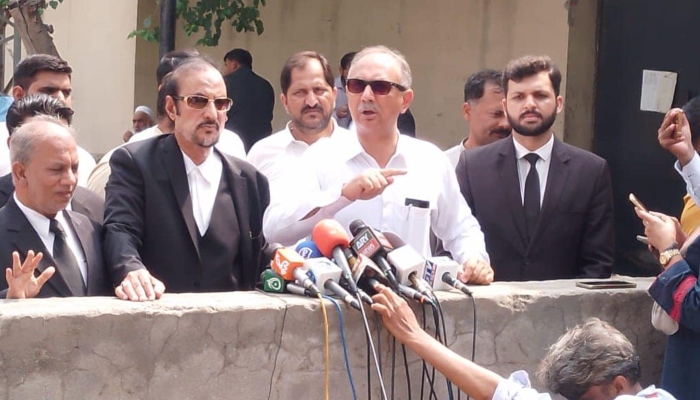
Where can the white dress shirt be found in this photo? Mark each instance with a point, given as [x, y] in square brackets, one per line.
[454, 152]
[691, 176]
[204, 180]
[545, 153]
[86, 163]
[5, 164]
[229, 142]
[328, 165]
[279, 153]
[41, 226]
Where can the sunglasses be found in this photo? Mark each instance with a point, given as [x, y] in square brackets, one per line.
[198, 102]
[378, 87]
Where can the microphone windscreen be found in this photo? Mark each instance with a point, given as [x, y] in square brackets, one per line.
[356, 226]
[329, 234]
[308, 249]
[394, 239]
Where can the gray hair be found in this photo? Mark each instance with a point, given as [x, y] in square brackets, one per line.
[24, 140]
[404, 68]
[590, 354]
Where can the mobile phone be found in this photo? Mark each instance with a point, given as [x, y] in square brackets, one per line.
[606, 284]
[679, 122]
[636, 202]
[643, 239]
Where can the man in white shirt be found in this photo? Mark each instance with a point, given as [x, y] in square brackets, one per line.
[308, 97]
[229, 142]
[43, 73]
[391, 181]
[62, 246]
[342, 113]
[592, 361]
[545, 207]
[483, 111]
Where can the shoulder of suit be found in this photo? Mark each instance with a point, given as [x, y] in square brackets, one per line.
[486, 152]
[84, 194]
[582, 155]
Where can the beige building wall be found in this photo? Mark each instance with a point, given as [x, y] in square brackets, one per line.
[444, 42]
[92, 36]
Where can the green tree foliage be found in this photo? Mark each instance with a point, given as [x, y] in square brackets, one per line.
[207, 16]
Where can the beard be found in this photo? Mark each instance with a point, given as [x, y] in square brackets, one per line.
[533, 130]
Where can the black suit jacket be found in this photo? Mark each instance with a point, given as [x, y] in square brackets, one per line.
[84, 201]
[253, 104]
[149, 221]
[17, 234]
[574, 234]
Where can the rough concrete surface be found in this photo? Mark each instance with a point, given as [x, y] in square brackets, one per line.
[259, 346]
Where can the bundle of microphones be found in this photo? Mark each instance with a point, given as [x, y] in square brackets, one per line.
[332, 263]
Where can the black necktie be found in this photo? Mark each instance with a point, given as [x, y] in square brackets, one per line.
[531, 201]
[65, 260]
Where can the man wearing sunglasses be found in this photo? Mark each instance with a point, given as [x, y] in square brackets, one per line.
[308, 96]
[392, 182]
[180, 214]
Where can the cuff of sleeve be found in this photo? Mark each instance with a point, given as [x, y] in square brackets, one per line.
[691, 169]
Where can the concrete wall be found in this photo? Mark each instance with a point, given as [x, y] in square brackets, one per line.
[91, 35]
[259, 346]
[444, 42]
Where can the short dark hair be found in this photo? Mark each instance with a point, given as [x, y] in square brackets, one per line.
[167, 64]
[171, 84]
[33, 105]
[347, 59]
[242, 56]
[299, 60]
[171, 60]
[31, 65]
[474, 88]
[692, 112]
[527, 66]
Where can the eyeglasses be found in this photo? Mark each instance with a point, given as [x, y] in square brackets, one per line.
[378, 87]
[198, 102]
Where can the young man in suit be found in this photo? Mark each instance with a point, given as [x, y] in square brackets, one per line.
[62, 246]
[179, 214]
[84, 201]
[545, 207]
[253, 98]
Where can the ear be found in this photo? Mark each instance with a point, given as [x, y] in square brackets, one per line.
[467, 111]
[283, 98]
[17, 92]
[406, 100]
[170, 107]
[560, 104]
[19, 177]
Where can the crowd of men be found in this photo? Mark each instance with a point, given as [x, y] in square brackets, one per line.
[200, 189]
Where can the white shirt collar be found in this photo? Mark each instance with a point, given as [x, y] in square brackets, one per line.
[37, 220]
[286, 134]
[209, 169]
[545, 152]
[353, 147]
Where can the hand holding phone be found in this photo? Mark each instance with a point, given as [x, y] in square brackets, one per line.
[637, 203]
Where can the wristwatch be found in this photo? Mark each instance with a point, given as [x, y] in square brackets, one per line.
[666, 255]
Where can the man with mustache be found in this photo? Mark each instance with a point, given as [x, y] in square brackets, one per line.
[483, 111]
[308, 96]
[180, 214]
[545, 207]
[389, 180]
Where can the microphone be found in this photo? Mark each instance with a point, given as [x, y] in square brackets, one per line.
[405, 259]
[325, 274]
[307, 249]
[404, 291]
[293, 288]
[331, 239]
[373, 245]
[272, 282]
[287, 263]
[441, 272]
